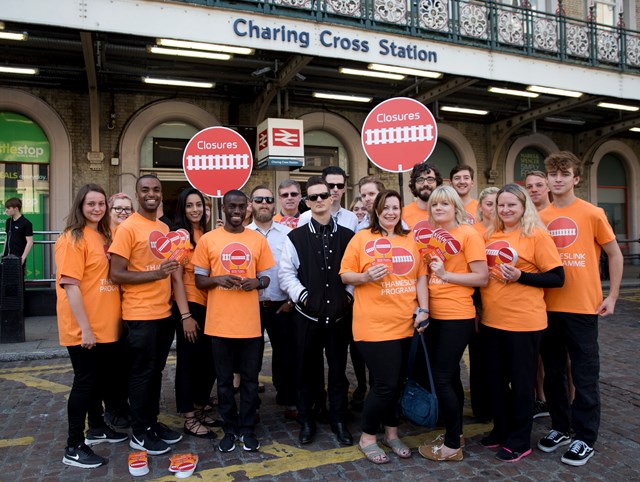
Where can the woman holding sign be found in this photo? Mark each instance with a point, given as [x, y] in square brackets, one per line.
[457, 264]
[389, 276]
[195, 372]
[523, 260]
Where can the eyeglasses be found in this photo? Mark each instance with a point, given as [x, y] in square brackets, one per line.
[287, 194]
[339, 185]
[322, 195]
[263, 199]
[119, 210]
[430, 180]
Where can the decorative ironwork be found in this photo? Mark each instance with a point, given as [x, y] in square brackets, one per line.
[473, 20]
[511, 28]
[434, 15]
[608, 48]
[545, 35]
[560, 10]
[621, 23]
[633, 50]
[295, 3]
[391, 11]
[349, 8]
[577, 40]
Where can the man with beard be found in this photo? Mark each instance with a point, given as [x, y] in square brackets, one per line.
[230, 264]
[424, 179]
[369, 187]
[462, 181]
[275, 307]
[289, 193]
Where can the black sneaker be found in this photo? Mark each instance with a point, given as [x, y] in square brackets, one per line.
[228, 443]
[116, 420]
[540, 409]
[578, 454]
[251, 443]
[83, 457]
[553, 440]
[105, 434]
[149, 442]
[165, 434]
[507, 455]
[490, 442]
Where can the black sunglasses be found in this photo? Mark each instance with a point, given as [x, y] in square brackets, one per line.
[322, 195]
[339, 185]
[262, 199]
[287, 194]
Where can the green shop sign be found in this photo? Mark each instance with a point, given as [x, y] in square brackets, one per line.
[22, 140]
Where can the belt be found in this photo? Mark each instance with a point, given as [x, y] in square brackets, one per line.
[269, 303]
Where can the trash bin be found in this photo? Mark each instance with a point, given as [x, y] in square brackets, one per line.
[12, 301]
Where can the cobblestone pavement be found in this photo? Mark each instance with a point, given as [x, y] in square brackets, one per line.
[33, 432]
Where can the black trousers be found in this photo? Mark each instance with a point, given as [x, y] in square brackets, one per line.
[148, 342]
[195, 370]
[577, 335]
[93, 382]
[512, 360]
[118, 402]
[243, 355]
[311, 339]
[387, 363]
[447, 340]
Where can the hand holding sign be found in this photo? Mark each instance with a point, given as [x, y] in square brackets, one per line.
[504, 269]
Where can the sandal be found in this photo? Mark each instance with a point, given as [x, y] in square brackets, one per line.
[398, 447]
[374, 454]
[192, 426]
[206, 420]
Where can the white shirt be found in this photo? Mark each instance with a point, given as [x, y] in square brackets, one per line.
[276, 236]
[343, 217]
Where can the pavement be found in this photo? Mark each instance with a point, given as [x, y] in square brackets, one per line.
[36, 376]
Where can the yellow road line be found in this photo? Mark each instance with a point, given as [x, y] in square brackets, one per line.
[15, 442]
[38, 383]
[40, 368]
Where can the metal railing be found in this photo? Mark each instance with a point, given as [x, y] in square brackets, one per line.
[483, 23]
[39, 267]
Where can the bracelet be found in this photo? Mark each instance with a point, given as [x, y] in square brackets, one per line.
[188, 313]
[186, 316]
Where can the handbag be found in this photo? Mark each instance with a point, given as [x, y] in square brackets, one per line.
[417, 404]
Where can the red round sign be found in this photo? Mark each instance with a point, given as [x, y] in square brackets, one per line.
[564, 231]
[217, 160]
[399, 133]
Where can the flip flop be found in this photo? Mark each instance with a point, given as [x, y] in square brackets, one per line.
[374, 454]
[398, 447]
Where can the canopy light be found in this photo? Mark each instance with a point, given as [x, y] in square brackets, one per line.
[370, 73]
[609, 105]
[348, 98]
[18, 70]
[552, 91]
[565, 120]
[463, 110]
[517, 93]
[635, 129]
[188, 53]
[184, 44]
[405, 71]
[13, 35]
[178, 83]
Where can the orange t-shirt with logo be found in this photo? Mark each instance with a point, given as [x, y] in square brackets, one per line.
[383, 310]
[145, 301]
[86, 261]
[515, 306]
[288, 221]
[578, 231]
[189, 278]
[472, 211]
[450, 301]
[412, 214]
[235, 313]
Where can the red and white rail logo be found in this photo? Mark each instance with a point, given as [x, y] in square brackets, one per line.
[216, 160]
[263, 140]
[493, 250]
[564, 231]
[399, 133]
[285, 137]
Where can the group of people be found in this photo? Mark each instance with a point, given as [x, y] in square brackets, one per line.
[329, 281]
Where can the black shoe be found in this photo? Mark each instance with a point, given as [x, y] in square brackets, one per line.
[307, 432]
[578, 454]
[165, 434]
[553, 440]
[228, 442]
[149, 442]
[250, 442]
[117, 420]
[82, 456]
[342, 433]
[491, 442]
[540, 409]
[105, 434]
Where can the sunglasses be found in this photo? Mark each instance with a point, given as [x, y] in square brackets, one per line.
[322, 195]
[119, 210]
[339, 185]
[263, 199]
[287, 194]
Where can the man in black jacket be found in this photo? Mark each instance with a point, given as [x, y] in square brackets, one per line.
[309, 268]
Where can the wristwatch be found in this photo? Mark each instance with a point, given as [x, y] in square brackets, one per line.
[420, 310]
[260, 284]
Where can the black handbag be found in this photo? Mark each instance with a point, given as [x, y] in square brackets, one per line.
[417, 404]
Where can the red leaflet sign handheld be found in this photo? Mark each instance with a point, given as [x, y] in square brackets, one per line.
[399, 133]
[217, 160]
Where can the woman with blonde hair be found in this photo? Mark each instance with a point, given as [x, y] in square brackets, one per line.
[457, 265]
[486, 209]
[120, 208]
[523, 260]
[357, 207]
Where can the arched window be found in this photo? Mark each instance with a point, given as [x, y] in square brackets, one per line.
[529, 159]
[444, 157]
[612, 193]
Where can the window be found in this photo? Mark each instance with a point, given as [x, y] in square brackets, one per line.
[612, 193]
[605, 11]
[444, 157]
[529, 159]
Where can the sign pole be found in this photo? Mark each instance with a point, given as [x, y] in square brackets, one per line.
[401, 185]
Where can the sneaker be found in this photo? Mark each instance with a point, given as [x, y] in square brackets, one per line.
[228, 443]
[553, 440]
[183, 465]
[165, 434]
[578, 454]
[96, 436]
[138, 463]
[540, 409]
[149, 442]
[439, 440]
[83, 457]
[251, 443]
[507, 455]
[491, 442]
[116, 420]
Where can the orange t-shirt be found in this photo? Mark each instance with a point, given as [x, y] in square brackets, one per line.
[515, 306]
[480, 228]
[86, 261]
[146, 301]
[578, 231]
[450, 301]
[472, 211]
[412, 214]
[288, 221]
[383, 309]
[189, 278]
[235, 313]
